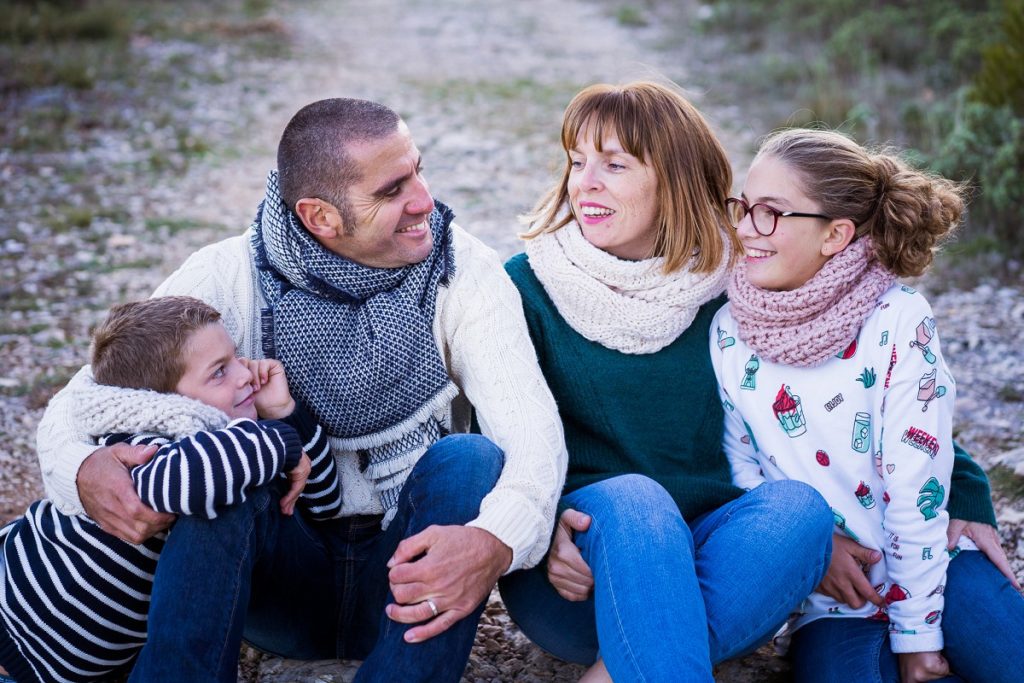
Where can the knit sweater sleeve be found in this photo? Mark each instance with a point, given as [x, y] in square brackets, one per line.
[321, 497]
[62, 445]
[205, 472]
[970, 497]
[493, 362]
[738, 442]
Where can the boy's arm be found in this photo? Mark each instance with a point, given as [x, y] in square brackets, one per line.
[199, 474]
[321, 497]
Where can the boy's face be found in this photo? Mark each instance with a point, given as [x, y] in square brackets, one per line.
[214, 375]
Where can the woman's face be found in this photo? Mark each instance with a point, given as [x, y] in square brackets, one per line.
[613, 197]
[793, 254]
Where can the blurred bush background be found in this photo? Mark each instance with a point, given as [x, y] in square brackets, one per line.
[944, 78]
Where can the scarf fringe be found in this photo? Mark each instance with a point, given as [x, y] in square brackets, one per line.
[434, 407]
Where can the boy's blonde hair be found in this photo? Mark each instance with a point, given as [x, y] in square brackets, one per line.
[144, 344]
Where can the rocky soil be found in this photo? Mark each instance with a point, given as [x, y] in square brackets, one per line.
[109, 206]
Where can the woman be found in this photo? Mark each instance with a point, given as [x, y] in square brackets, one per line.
[659, 565]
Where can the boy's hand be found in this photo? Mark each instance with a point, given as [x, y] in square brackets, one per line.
[297, 476]
[273, 400]
[922, 666]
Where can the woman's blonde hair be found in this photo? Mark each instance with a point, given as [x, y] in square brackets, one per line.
[906, 211]
[662, 129]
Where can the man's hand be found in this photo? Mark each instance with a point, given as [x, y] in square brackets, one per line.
[567, 570]
[455, 567]
[273, 400]
[922, 666]
[297, 477]
[846, 580]
[987, 540]
[108, 493]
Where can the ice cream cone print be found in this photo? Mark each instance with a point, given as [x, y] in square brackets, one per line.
[789, 412]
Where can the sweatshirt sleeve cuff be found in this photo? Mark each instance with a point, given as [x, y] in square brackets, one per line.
[930, 641]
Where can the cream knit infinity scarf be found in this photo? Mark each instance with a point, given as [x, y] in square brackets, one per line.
[807, 326]
[102, 409]
[628, 306]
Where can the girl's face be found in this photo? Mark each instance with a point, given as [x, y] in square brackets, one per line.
[613, 197]
[797, 249]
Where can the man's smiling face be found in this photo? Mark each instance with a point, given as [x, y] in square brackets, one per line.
[389, 205]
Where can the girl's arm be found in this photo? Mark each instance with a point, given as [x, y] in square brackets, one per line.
[737, 439]
[916, 464]
[202, 473]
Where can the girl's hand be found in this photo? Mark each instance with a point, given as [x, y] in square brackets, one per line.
[273, 400]
[567, 570]
[846, 580]
[987, 540]
[922, 666]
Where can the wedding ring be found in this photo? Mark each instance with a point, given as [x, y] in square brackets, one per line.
[433, 606]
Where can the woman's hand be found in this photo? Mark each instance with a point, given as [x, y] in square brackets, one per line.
[922, 666]
[846, 580]
[567, 571]
[987, 540]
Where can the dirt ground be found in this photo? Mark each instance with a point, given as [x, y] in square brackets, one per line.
[482, 85]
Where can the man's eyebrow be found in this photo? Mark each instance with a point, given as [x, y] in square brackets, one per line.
[390, 185]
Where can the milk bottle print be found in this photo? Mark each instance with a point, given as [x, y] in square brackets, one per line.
[925, 332]
[928, 389]
[861, 440]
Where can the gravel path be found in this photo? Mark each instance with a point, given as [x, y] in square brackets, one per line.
[482, 85]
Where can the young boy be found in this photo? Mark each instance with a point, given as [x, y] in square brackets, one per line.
[73, 598]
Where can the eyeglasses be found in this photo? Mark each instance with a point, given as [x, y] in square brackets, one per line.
[761, 215]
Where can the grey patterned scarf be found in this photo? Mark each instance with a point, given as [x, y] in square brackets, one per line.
[357, 342]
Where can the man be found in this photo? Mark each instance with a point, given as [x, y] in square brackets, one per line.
[391, 322]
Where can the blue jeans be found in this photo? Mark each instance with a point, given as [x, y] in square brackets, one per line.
[982, 624]
[670, 598]
[310, 590]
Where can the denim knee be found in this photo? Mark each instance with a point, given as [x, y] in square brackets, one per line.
[460, 470]
[630, 503]
[796, 510]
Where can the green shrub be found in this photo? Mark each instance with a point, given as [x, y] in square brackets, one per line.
[1001, 78]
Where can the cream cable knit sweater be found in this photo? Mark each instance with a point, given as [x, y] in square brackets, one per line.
[482, 336]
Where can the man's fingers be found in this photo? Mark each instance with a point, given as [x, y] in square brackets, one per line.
[131, 456]
[436, 626]
[412, 547]
[409, 594]
[410, 614]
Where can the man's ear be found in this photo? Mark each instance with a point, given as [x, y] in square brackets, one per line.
[320, 217]
[841, 232]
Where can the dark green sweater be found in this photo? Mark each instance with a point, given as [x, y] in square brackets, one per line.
[659, 414]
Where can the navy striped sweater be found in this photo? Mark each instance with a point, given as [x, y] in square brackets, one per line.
[75, 598]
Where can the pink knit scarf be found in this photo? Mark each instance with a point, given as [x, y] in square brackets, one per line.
[807, 326]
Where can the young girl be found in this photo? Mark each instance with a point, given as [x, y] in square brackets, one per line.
[831, 373]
